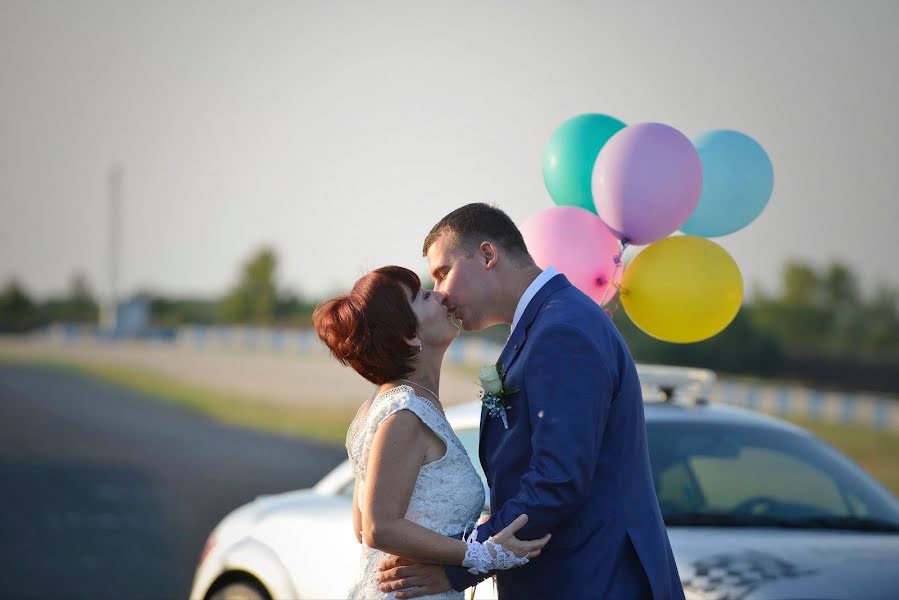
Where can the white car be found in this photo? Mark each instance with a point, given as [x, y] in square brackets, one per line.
[756, 508]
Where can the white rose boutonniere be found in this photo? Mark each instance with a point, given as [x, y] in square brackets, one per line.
[493, 391]
[490, 380]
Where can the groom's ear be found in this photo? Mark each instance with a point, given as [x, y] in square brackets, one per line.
[488, 254]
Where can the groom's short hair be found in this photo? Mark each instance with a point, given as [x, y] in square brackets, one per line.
[478, 222]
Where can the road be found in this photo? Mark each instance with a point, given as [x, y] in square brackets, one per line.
[108, 493]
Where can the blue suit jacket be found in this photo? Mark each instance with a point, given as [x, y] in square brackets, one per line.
[575, 459]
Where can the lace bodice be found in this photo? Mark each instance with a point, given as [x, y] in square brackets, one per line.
[448, 494]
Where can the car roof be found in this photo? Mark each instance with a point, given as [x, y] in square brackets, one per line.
[714, 413]
[468, 415]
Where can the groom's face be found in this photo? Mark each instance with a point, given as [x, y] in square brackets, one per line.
[462, 280]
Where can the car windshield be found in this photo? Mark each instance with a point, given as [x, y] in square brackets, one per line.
[713, 474]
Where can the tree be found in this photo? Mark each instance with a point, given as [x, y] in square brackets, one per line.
[172, 312]
[82, 306]
[882, 321]
[17, 311]
[293, 308]
[78, 305]
[840, 288]
[825, 313]
[740, 348]
[254, 298]
[801, 285]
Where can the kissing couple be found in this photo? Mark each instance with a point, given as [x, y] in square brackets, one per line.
[574, 510]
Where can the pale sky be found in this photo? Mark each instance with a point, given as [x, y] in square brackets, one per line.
[339, 132]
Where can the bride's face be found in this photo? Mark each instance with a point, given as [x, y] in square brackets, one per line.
[435, 324]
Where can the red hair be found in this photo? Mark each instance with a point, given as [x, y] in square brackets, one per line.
[368, 328]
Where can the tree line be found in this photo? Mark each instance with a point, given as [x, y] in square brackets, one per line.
[816, 327]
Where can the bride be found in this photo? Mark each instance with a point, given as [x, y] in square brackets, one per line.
[415, 485]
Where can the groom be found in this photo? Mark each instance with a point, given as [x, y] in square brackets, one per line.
[574, 457]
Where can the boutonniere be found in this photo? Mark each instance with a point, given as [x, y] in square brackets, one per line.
[493, 392]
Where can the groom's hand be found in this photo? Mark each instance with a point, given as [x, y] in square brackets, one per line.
[412, 580]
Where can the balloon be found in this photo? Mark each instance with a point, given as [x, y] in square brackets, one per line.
[577, 243]
[737, 179]
[569, 156]
[682, 289]
[646, 182]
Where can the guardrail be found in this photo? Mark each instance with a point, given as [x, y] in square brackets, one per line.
[873, 410]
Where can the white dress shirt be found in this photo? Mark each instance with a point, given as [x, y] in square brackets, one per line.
[529, 294]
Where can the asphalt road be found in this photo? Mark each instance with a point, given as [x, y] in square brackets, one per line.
[108, 493]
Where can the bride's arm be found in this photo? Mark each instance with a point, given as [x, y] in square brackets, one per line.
[357, 516]
[397, 453]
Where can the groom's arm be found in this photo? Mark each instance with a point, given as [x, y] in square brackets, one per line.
[569, 389]
[461, 579]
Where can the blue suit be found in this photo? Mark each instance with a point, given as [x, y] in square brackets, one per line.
[575, 459]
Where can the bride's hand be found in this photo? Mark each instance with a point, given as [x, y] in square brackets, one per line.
[520, 548]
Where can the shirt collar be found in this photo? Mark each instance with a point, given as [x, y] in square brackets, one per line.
[529, 294]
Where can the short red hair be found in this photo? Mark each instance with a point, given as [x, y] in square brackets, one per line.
[368, 328]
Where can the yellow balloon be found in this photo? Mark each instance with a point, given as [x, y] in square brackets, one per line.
[682, 289]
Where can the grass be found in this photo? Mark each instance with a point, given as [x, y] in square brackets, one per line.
[319, 423]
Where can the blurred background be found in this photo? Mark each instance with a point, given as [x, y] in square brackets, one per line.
[181, 184]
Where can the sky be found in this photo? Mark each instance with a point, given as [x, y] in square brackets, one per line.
[340, 132]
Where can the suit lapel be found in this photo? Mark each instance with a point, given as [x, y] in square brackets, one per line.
[516, 342]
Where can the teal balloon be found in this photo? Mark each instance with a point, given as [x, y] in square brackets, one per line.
[737, 180]
[570, 155]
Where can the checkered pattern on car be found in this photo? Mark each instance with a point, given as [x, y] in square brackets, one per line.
[732, 576]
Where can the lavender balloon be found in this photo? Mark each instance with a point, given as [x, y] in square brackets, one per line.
[577, 243]
[646, 182]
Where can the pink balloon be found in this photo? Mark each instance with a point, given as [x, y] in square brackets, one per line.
[577, 243]
[646, 182]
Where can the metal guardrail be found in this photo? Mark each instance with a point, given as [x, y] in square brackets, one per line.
[873, 410]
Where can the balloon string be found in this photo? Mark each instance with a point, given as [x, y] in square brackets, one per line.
[618, 261]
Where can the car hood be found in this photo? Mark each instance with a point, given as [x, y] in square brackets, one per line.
[759, 564]
[306, 502]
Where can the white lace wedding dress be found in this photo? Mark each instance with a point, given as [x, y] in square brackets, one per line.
[448, 494]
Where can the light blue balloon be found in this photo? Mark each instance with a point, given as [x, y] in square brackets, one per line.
[569, 157]
[737, 179]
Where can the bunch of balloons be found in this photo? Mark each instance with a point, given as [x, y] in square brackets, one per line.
[616, 185]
